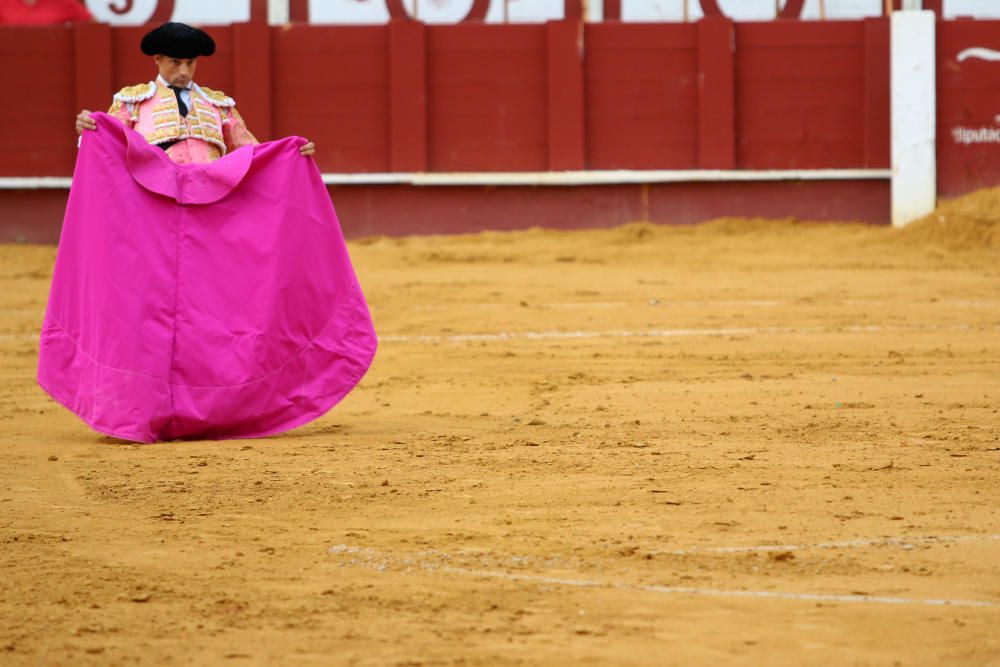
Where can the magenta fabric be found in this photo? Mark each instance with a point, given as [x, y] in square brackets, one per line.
[200, 301]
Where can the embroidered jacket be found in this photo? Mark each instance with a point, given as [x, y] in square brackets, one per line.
[211, 129]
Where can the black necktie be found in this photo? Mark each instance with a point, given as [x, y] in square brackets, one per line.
[180, 103]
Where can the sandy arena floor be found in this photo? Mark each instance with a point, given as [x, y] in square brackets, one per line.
[745, 442]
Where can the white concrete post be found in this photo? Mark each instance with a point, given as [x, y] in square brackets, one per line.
[914, 116]
[277, 12]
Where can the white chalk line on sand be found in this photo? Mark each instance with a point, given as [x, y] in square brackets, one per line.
[903, 542]
[667, 333]
[684, 590]
[39, 311]
[380, 560]
[733, 303]
[630, 333]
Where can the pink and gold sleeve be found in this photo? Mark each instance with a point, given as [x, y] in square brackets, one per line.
[121, 111]
[235, 131]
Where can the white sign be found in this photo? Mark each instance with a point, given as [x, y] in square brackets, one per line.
[434, 11]
[138, 12]
[967, 136]
[980, 9]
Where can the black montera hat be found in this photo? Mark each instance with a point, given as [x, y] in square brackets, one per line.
[177, 40]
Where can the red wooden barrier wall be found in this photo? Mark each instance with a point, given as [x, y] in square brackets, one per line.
[333, 87]
[37, 134]
[476, 97]
[802, 95]
[642, 96]
[562, 95]
[486, 98]
[968, 99]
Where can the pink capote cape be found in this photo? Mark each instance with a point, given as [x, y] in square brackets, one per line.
[200, 301]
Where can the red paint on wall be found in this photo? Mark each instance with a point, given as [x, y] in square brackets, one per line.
[395, 210]
[641, 92]
[298, 11]
[92, 65]
[800, 95]
[792, 95]
[258, 11]
[564, 55]
[937, 6]
[877, 94]
[31, 216]
[37, 137]
[716, 94]
[332, 86]
[407, 96]
[253, 42]
[486, 90]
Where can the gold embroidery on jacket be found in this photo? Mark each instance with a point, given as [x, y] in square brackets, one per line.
[202, 122]
[134, 94]
[216, 97]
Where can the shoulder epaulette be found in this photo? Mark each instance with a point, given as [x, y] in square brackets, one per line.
[217, 97]
[138, 93]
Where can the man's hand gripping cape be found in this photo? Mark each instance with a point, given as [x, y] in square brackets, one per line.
[200, 301]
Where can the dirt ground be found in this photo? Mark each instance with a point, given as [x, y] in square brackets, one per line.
[746, 442]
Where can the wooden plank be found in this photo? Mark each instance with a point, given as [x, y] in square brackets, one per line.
[298, 11]
[331, 84]
[937, 6]
[764, 96]
[39, 139]
[407, 96]
[826, 64]
[808, 34]
[646, 66]
[641, 35]
[129, 65]
[480, 97]
[215, 71]
[565, 95]
[512, 67]
[472, 37]
[92, 66]
[252, 76]
[487, 98]
[801, 104]
[305, 39]
[641, 96]
[716, 99]
[877, 153]
[258, 11]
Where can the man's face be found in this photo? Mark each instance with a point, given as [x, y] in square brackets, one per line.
[176, 71]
